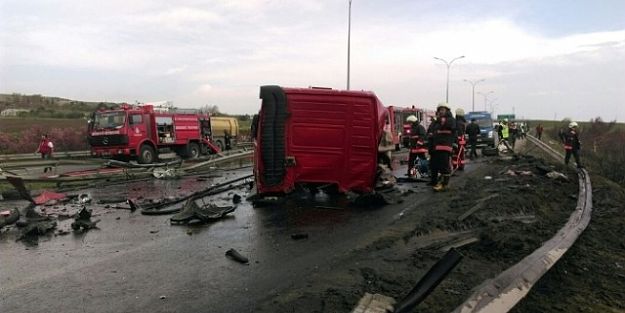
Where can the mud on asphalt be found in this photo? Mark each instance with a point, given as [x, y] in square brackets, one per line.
[515, 208]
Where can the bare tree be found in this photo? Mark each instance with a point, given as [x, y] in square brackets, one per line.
[211, 109]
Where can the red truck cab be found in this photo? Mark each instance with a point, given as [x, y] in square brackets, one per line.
[317, 137]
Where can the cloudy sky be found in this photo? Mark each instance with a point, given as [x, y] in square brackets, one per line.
[540, 58]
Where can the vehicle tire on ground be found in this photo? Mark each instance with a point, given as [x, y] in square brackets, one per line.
[221, 145]
[193, 150]
[146, 155]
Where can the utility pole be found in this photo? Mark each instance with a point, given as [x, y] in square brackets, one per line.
[473, 83]
[448, 66]
[485, 95]
[349, 33]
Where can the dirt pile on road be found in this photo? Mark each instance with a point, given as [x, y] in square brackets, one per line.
[494, 215]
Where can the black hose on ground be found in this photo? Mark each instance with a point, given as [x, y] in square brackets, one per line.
[429, 281]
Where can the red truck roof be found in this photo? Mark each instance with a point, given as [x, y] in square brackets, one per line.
[308, 135]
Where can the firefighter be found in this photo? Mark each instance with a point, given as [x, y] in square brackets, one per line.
[444, 136]
[416, 142]
[473, 130]
[572, 144]
[459, 152]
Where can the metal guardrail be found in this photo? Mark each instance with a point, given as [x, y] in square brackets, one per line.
[37, 156]
[503, 292]
[72, 154]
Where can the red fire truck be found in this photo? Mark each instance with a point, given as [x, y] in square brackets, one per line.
[399, 128]
[317, 137]
[142, 132]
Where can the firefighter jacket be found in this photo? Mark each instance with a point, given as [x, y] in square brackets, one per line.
[461, 125]
[418, 138]
[571, 140]
[444, 133]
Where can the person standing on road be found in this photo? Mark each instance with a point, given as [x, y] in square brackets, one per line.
[504, 134]
[513, 133]
[473, 130]
[416, 142]
[572, 144]
[444, 136]
[45, 149]
[539, 131]
[385, 147]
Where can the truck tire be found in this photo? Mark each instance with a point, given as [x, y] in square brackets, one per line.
[193, 150]
[146, 155]
[221, 145]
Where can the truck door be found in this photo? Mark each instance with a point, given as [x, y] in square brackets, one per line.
[136, 128]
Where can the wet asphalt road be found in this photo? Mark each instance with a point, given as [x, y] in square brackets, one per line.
[137, 263]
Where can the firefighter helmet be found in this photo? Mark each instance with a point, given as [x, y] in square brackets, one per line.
[459, 112]
[443, 105]
[572, 124]
[411, 119]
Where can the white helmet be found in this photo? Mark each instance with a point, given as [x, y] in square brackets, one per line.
[443, 105]
[572, 124]
[459, 112]
[411, 119]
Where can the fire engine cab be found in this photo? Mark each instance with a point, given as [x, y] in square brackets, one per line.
[399, 128]
[142, 131]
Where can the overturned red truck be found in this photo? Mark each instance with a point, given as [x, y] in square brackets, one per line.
[317, 137]
[141, 132]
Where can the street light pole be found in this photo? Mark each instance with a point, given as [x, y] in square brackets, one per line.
[448, 66]
[349, 33]
[473, 83]
[485, 95]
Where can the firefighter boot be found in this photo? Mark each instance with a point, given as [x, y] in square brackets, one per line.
[442, 186]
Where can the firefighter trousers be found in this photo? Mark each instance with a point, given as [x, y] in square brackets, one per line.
[440, 163]
[473, 144]
[575, 153]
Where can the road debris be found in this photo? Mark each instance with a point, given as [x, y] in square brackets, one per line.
[83, 221]
[165, 173]
[476, 207]
[8, 217]
[374, 303]
[18, 184]
[299, 236]
[557, 176]
[236, 256]
[111, 200]
[236, 199]
[84, 198]
[192, 212]
[50, 198]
